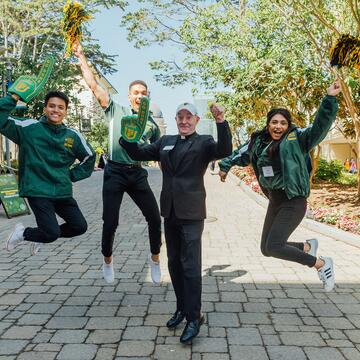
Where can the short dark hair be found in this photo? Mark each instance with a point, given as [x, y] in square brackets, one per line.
[57, 94]
[138, 82]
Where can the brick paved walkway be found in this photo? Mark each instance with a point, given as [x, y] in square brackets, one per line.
[56, 305]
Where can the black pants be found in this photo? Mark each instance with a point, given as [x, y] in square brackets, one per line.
[48, 229]
[183, 242]
[133, 180]
[282, 218]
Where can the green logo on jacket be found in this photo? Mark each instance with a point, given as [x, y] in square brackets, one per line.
[69, 142]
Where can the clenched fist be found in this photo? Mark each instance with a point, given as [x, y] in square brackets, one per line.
[218, 112]
[335, 88]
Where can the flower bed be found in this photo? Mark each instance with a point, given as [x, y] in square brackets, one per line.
[327, 215]
[247, 176]
[335, 217]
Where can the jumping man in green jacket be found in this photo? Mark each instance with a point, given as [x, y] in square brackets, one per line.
[278, 154]
[47, 152]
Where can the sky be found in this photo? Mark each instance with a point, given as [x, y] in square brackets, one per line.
[132, 64]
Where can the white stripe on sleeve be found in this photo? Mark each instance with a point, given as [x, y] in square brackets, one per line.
[23, 123]
[83, 141]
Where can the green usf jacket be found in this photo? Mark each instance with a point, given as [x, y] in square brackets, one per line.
[46, 154]
[293, 150]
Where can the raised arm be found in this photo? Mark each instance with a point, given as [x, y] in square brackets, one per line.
[101, 95]
[223, 147]
[26, 88]
[325, 116]
[9, 126]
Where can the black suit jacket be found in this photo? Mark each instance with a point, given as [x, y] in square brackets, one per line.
[183, 186]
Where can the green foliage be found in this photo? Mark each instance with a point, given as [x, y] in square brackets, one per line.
[254, 54]
[29, 30]
[14, 164]
[346, 178]
[98, 137]
[329, 170]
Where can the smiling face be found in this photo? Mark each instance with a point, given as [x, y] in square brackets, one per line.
[55, 110]
[136, 92]
[186, 122]
[277, 126]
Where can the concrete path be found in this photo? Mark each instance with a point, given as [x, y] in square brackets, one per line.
[55, 305]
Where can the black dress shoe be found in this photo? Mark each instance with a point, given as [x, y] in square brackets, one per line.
[191, 330]
[176, 319]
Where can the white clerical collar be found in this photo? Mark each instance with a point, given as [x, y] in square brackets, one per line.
[182, 137]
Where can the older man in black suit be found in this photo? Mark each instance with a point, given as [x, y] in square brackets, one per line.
[184, 159]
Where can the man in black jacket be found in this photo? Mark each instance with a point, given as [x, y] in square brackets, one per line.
[184, 159]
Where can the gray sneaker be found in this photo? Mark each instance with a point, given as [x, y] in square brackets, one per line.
[313, 243]
[34, 248]
[16, 237]
[326, 274]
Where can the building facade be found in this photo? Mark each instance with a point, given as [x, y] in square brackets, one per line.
[336, 147]
[207, 125]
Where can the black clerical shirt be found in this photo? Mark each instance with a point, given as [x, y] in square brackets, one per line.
[177, 153]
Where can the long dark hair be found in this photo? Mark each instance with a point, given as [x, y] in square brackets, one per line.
[273, 149]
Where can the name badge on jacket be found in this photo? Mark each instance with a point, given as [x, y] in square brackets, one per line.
[168, 147]
[268, 171]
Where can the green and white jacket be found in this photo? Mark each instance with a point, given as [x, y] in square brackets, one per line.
[47, 153]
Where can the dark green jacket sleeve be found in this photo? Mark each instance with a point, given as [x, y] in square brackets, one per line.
[240, 157]
[8, 126]
[314, 134]
[86, 155]
[142, 152]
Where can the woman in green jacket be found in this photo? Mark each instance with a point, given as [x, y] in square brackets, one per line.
[279, 154]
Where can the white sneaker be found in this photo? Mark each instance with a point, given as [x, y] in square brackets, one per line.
[313, 243]
[108, 272]
[326, 273]
[155, 270]
[34, 248]
[15, 237]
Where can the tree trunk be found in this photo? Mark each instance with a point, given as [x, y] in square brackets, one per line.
[34, 48]
[357, 131]
[315, 162]
[356, 120]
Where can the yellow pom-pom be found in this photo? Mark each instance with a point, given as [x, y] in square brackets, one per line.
[74, 15]
[346, 52]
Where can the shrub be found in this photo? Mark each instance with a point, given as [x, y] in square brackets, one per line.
[329, 170]
[14, 164]
[347, 179]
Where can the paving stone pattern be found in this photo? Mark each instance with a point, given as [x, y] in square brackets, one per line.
[55, 305]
